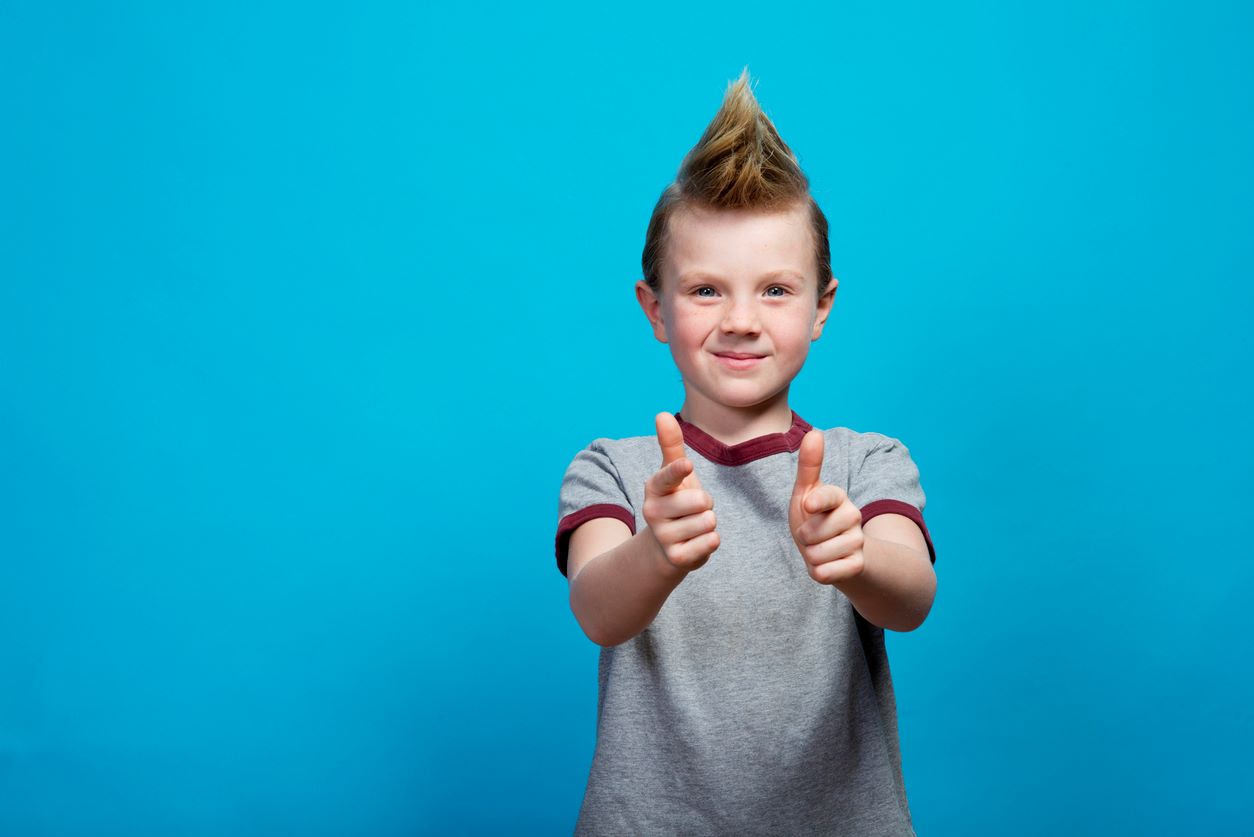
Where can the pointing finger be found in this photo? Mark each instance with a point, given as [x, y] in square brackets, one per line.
[670, 476]
[824, 498]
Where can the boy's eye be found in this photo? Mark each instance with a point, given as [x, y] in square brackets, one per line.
[781, 288]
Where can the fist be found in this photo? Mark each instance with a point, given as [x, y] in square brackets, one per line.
[825, 524]
[679, 511]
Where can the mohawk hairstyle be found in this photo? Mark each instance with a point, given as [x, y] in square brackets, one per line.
[740, 162]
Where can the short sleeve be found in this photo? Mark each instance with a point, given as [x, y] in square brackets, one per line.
[591, 488]
[887, 481]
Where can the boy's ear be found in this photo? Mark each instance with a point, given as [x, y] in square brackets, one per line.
[652, 307]
[824, 309]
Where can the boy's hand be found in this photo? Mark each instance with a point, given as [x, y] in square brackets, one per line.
[679, 511]
[825, 524]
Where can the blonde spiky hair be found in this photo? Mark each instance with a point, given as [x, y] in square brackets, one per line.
[740, 162]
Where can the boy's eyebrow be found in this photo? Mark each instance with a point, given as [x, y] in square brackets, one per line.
[698, 275]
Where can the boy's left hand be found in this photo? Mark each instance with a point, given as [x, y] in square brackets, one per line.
[825, 524]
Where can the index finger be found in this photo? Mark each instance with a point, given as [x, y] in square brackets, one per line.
[669, 477]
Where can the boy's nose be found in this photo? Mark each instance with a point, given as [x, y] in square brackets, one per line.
[740, 317]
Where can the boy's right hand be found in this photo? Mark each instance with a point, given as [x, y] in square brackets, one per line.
[679, 511]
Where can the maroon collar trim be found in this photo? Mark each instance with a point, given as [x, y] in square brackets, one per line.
[748, 450]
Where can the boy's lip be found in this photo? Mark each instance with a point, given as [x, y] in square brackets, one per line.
[738, 361]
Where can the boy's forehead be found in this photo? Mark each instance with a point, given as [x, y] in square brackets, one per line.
[726, 240]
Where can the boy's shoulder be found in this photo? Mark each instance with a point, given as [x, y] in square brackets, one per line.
[627, 448]
[867, 439]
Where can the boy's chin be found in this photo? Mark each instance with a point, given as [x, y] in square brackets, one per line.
[741, 400]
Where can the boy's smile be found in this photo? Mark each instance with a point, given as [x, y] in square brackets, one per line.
[738, 310]
[737, 360]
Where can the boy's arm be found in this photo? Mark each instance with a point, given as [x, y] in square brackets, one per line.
[618, 581]
[897, 585]
[894, 584]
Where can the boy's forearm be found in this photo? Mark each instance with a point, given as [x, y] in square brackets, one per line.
[616, 595]
[896, 587]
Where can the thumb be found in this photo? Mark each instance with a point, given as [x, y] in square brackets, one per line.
[809, 463]
[670, 438]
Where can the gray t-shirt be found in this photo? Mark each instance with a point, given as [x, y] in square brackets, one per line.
[758, 701]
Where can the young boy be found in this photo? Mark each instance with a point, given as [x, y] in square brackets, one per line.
[741, 590]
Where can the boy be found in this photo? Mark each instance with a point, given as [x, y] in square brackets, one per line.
[740, 592]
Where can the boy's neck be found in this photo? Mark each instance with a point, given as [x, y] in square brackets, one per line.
[733, 425]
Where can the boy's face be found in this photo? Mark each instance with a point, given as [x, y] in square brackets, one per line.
[739, 282]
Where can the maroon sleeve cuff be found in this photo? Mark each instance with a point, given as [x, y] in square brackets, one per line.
[905, 509]
[574, 520]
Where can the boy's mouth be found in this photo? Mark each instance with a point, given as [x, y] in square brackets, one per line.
[738, 360]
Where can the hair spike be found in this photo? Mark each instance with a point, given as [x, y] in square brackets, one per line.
[740, 162]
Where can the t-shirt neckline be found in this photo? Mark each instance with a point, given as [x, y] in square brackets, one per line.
[748, 450]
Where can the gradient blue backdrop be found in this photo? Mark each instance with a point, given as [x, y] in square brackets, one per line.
[304, 311]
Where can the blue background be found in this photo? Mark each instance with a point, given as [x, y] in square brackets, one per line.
[304, 311]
